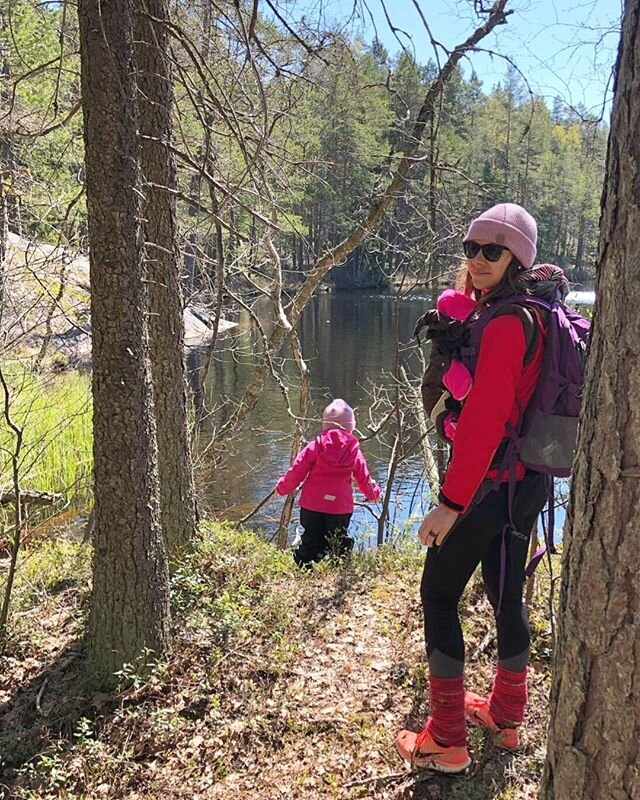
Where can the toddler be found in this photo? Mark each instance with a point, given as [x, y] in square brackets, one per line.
[326, 467]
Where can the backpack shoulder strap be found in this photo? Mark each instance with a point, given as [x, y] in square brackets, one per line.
[530, 323]
[531, 311]
[530, 318]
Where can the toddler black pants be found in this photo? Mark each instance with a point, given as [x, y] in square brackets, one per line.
[324, 535]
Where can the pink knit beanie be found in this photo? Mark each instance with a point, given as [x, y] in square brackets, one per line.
[338, 414]
[509, 225]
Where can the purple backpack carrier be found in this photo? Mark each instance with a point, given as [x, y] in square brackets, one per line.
[545, 437]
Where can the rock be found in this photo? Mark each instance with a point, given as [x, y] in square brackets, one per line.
[197, 332]
[34, 274]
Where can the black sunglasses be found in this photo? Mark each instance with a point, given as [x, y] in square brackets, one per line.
[491, 252]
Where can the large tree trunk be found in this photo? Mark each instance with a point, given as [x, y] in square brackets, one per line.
[7, 159]
[593, 748]
[166, 326]
[129, 606]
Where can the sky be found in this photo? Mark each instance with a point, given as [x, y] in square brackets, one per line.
[564, 48]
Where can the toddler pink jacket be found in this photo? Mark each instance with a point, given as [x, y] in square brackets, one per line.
[327, 466]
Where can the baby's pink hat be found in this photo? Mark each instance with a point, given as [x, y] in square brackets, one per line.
[510, 225]
[455, 304]
[338, 414]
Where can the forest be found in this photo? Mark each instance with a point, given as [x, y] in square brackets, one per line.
[293, 133]
[216, 216]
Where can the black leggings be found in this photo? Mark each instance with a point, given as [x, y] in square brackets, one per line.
[324, 534]
[476, 539]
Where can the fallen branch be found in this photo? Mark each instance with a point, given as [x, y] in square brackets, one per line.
[39, 697]
[484, 644]
[257, 508]
[30, 497]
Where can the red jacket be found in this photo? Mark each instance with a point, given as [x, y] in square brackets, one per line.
[327, 466]
[502, 388]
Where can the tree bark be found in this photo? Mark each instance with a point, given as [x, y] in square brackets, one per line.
[162, 271]
[129, 613]
[594, 734]
[6, 176]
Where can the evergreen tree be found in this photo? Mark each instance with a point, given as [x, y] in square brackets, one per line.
[128, 621]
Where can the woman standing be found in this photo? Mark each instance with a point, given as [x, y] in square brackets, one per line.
[469, 526]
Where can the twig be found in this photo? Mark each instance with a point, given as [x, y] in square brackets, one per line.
[226, 655]
[298, 436]
[433, 477]
[257, 508]
[369, 509]
[39, 697]
[392, 776]
[220, 275]
[367, 225]
[20, 520]
[533, 547]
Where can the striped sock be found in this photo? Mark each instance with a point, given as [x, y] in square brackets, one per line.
[446, 723]
[508, 697]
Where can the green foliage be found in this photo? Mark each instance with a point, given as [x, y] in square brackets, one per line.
[51, 577]
[50, 567]
[39, 41]
[220, 588]
[308, 136]
[55, 415]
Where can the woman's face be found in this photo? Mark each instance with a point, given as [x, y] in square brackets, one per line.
[487, 274]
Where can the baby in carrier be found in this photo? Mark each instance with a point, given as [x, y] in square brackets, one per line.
[446, 381]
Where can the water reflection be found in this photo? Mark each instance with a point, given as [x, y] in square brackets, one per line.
[348, 340]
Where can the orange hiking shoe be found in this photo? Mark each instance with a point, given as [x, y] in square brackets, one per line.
[477, 712]
[421, 751]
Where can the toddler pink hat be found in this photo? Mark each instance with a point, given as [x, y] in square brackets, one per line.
[338, 414]
[509, 225]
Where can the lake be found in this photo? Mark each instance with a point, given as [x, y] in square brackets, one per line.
[348, 341]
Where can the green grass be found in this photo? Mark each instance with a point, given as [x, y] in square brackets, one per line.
[47, 570]
[55, 415]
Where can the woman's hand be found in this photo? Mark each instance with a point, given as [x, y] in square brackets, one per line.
[436, 525]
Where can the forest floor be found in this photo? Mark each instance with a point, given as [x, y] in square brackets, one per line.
[280, 684]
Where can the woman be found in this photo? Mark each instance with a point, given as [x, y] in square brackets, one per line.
[468, 526]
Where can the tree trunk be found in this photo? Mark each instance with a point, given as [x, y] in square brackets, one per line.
[579, 259]
[129, 613]
[166, 324]
[595, 703]
[7, 159]
[8, 164]
[4, 240]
